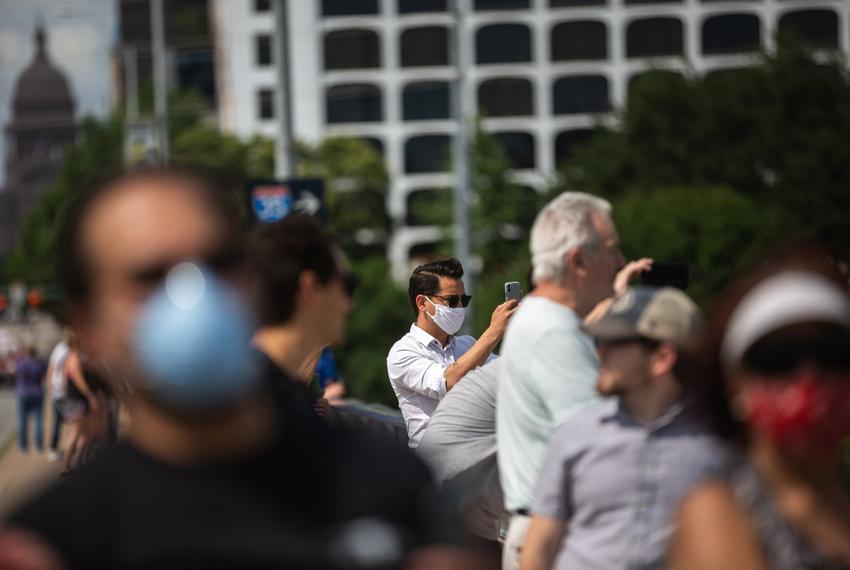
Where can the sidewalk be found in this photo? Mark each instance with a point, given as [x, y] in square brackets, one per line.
[21, 475]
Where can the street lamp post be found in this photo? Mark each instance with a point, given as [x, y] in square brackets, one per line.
[461, 152]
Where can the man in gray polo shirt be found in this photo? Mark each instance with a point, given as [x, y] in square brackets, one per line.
[613, 475]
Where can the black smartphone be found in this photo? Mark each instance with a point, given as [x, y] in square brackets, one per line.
[667, 275]
[512, 291]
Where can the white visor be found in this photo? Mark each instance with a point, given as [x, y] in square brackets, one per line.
[785, 299]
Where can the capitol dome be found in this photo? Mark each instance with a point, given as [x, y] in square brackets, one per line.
[42, 92]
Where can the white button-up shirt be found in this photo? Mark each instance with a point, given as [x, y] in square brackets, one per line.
[416, 364]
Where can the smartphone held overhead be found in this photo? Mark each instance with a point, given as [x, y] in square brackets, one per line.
[513, 291]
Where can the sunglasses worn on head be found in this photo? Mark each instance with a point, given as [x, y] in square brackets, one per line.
[453, 300]
[783, 356]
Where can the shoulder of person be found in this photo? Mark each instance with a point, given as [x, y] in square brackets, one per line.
[714, 530]
[585, 423]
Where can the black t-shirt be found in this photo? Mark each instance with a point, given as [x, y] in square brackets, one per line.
[316, 499]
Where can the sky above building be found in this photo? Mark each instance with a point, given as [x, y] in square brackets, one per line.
[80, 36]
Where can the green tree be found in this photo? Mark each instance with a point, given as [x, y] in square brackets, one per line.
[714, 229]
[355, 191]
[778, 132]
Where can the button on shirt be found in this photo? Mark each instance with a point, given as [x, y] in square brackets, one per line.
[415, 365]
[618, 484]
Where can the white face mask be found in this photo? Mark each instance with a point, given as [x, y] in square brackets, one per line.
[448, 319]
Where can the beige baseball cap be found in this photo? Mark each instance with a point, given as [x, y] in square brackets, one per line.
[662, 314]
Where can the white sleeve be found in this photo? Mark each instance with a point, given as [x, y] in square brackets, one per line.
[408, 368]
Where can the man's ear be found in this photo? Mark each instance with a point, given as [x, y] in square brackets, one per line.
[307, 284]
[421, 303]
[664, 358]
[576, 262]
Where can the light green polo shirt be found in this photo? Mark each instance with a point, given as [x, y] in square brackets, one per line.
[549, 371]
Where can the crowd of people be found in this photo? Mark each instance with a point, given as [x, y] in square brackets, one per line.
[617, 428]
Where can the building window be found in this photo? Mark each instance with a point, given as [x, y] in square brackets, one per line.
[503, 43]
[424, 46]
[349, 7]
[519, 147]
[567, 142]
[506, 97]
[354, 103]
[731, 33]
[574, 3]
[630, 2]
[427, 153]
[426, 100]
[501, 4]
[415, 6]
[580, 94]
[352, 49]
[655, 37]
[579, 40]
[263, 54]
[262, 5]
[816, 28]
[265, 104]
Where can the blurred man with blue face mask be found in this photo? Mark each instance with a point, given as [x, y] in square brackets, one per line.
[213, 469]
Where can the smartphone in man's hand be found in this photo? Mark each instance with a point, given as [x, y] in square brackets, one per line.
[512, 291]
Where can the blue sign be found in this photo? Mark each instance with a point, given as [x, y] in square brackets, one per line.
[273, 200]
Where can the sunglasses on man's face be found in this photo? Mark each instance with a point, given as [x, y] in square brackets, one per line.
[219, 262]
[777, 357]
[453, 300]
[350, 281]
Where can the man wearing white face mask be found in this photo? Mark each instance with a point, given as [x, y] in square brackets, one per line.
[429, 360]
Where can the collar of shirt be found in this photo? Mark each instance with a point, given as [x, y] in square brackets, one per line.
[429, 341]
[617, 410]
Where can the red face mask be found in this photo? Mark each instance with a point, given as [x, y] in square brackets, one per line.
[801, 414]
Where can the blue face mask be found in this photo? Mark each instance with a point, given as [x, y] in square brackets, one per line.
[192, 343]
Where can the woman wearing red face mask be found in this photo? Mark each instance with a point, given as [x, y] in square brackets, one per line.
[773, 378]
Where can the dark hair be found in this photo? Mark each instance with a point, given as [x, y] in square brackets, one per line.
[277, 255]
[425, 279]
[73, 270]
[701, 369]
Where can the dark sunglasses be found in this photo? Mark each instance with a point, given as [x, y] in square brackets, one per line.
[453, 300]
[218, 262]
[777, 357]
[350, 281]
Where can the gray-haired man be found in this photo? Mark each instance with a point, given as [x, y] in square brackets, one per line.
[613, 475]
[549, 364]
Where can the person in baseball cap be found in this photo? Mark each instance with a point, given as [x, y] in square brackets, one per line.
[633, 457]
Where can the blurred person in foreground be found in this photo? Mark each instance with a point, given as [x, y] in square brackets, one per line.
[773, 378]
[30, 371]
[213, 473]
[303, 291]
[550, 365]
[427, 362]
[614, 474]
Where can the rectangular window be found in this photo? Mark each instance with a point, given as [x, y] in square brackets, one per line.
[265, 104]
[262, 5]
[263, 45]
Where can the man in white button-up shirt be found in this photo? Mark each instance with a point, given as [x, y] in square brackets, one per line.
[426, 362]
